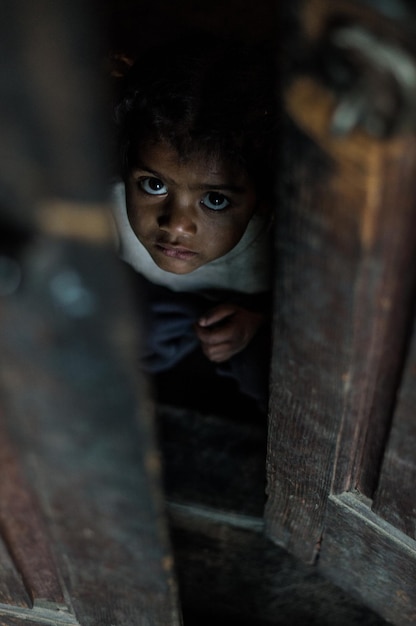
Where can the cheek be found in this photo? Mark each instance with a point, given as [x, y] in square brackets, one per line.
[132, 215]
[140, 219]
[224, 237]
[232, 228]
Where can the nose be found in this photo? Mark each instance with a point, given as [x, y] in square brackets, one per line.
[178, 218]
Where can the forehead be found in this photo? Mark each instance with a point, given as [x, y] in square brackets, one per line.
[199, 165]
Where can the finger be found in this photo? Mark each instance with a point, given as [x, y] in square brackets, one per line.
[217, 314]
[218, 354]
[213, 337]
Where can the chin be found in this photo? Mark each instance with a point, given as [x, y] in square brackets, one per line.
[177, 270]
[178, 267]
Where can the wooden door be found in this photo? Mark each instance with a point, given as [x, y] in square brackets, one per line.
[342, 440]
[83, 538]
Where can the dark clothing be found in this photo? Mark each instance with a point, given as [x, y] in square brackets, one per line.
[169, 335]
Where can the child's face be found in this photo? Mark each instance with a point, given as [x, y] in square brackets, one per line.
[187, 213]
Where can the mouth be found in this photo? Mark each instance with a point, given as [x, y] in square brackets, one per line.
[176, 252]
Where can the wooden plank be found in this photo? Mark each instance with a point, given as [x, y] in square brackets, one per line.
[82, 424]
[12, 590]
[315, 271]
[384, 293]
[82, 451]
[345, 273]
[395, 498]
[369, 558]
[52, 119]
[324, 229]
[23, 530]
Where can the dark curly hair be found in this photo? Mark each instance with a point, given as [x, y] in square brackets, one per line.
[202, 96]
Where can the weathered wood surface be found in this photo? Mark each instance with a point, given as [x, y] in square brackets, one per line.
[12, 590]
[312, 330]
[367, 557]
[395, 498]
[81, 512]
[24, 532]
[52, 116]
[233, 573]
[345, 274]
[80, 423]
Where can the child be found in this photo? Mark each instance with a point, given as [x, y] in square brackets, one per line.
[193, 211]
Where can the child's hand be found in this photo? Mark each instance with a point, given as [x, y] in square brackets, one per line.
[227, 329]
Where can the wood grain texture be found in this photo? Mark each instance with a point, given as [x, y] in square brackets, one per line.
[80, 420]
[383, 304]
[367, 557]
[24, 531]
[81, 483]
[234, 574]
[395, 498]
[12, 589]
[317, 261]
[345, 276]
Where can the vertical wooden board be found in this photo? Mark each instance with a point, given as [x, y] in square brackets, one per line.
[12, 590]
[52, 94]
[316, 265]
[368, 558]
[345, 273]
[73, 405]
[25, 535]
[384, 294]
[344, 283]
[81, 420]
[395, 498]
[385, 172]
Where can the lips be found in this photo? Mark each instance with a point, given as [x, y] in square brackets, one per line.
[176, 252]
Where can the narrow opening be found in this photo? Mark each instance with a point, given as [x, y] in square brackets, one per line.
[211, 411]
[213, 427]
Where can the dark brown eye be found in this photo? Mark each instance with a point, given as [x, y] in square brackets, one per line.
[153, 186]
[215, 201]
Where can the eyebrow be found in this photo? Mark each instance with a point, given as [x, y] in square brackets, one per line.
[200, 187]
[221, 187]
